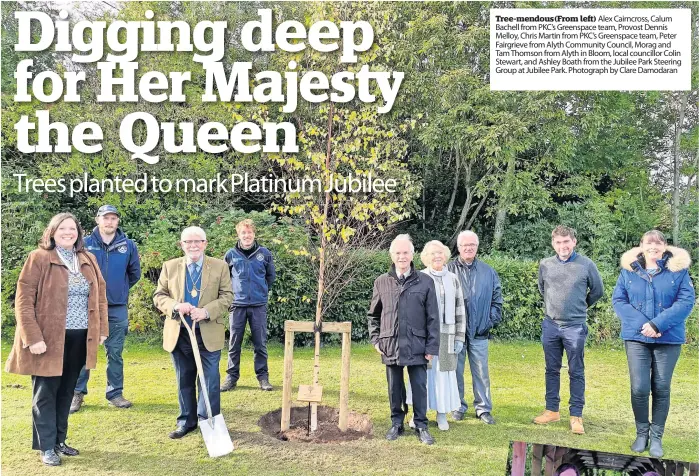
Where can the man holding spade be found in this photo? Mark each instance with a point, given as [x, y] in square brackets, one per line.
[195, 289]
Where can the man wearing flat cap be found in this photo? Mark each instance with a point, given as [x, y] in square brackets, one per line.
[117, 257]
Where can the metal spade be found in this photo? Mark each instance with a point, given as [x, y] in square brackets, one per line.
[216, 437]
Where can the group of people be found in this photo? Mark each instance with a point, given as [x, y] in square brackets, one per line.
[429, 322]
[72, 296]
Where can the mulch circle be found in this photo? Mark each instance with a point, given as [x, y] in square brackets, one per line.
[358, 426]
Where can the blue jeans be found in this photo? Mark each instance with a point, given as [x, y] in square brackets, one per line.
[555, 340]
[239, 316]
[114, 346]
[186, 371]
[477, 350]
[650, 368]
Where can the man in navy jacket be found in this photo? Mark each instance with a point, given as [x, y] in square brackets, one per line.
[483, 299]
[252, 275]
[117, 257]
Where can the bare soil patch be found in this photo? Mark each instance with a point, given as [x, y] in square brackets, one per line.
[358, 426]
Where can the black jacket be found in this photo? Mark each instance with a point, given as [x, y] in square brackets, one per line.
[404, 320]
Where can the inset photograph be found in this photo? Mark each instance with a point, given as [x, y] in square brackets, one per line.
[533, 459]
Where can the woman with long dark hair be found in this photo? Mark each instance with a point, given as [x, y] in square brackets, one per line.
[61, 311]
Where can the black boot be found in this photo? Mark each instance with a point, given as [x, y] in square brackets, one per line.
[228, 384]
[641, 443]
[656, 443]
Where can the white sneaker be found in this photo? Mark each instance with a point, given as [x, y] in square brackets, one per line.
[442, 422]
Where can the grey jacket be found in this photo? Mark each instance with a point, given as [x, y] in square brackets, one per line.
[404, 320]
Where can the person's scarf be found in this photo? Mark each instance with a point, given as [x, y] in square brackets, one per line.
[448, 309]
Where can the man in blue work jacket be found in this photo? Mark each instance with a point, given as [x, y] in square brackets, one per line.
[117, 257]
[252, 275]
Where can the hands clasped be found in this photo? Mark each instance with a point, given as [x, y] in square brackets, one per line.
[197, 314]
[648, 331]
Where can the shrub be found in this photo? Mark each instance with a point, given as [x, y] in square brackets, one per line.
[293, 295]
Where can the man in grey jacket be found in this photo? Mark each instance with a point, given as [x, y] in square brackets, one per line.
[570, 283]
[404, 329]
[483, 298]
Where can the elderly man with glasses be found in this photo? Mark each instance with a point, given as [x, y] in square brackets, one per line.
[194, 288]
[483, 298]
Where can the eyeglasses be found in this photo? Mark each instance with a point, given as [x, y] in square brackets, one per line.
[469, 245]
[193, 242]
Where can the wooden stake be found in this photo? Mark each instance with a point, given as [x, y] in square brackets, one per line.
[307, 326]
[550, 452]
[519, 458]
[287, 379]
[537, 455]
[344, 380]
[316, 374]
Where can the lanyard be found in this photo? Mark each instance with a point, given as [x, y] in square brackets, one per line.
[72, 267]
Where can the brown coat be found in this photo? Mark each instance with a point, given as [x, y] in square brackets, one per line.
[216, 297]
[41, 304]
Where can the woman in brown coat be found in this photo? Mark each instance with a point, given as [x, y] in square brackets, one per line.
[61, 311]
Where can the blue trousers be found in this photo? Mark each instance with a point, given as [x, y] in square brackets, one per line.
[114, 346]
[555, 340]
[650, 368]
[257, 317]
[477, 351]
[187, 381]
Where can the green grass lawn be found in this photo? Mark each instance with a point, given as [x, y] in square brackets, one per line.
[135, 441]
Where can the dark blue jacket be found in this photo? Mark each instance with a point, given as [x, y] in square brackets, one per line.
[251, 277]
[482, 296]
[120, 267]
[665, 299]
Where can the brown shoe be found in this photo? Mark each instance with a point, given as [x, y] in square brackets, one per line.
[547, 417]
[77, 402]
[576, 425]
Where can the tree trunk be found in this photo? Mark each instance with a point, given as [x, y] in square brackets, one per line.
[676, 167]
[688, 196]
[424, 203]
[504, 203]
[468, 205]
[499, 229]
[696, 196]
[465, 209]
[456, 183]
[321, 273]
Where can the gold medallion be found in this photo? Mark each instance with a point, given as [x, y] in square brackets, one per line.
[194, 293]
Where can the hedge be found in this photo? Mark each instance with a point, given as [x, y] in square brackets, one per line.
[293, 295]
